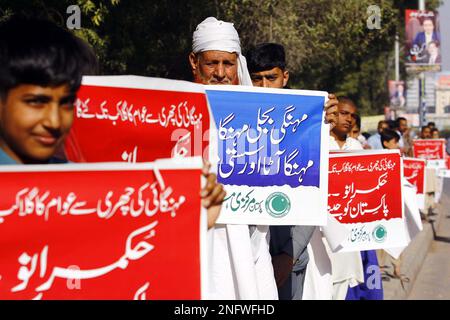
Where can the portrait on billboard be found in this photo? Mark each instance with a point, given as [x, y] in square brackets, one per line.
[423, 41]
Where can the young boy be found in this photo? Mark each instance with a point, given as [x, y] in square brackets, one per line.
[389, 139]
[41, 67]
[288, 244]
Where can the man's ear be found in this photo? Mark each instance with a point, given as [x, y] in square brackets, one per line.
[193, 61]
[285, 78]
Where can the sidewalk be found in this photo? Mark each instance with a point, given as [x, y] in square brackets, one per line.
[433, 280]
[415, 254]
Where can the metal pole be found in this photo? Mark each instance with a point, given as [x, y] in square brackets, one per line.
[397, 59]
[422, 101]
[421, 4]
[397, 68]
[422, 97]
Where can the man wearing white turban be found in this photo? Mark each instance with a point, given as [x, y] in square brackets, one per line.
[216, 54]
[239, 262]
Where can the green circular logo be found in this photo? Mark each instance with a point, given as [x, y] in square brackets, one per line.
[379, 233]
[278, 204]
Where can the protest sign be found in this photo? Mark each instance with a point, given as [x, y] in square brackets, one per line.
[138, 119]
[444, 173]
[271, 146]
[429, 149]
[414, 173]
[413, 222]
[437, 164]
[365, 194]
[102, 231]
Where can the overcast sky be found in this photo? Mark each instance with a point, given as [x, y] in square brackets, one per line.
[444, 12]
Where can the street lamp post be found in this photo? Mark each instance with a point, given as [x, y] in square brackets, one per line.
[397, 67]
[422, 96]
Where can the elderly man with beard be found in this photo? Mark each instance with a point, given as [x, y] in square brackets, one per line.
[239, 262]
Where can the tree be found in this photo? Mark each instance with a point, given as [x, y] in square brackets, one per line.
[329, 46]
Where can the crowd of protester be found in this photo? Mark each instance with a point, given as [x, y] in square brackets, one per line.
[400, 126]
[41, 69]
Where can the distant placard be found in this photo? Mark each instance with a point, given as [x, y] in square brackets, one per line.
[429, 149]
[397, 94]
[414, 172]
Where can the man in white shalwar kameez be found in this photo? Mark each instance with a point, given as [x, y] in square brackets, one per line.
[239, 262]
[328, 274]
[347, 267]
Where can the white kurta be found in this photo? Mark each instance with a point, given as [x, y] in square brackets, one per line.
[346, 267]
[240, 267]
[318, 280]
[350, 144]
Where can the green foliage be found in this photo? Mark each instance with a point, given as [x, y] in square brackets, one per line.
[328, 44]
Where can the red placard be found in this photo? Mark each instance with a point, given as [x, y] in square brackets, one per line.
[429, 149]
[414, 172]
[138, 119]
[365, 187]
[109, 233]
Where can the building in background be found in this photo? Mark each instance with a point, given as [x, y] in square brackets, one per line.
[444, 14]
[412, 94]
[437, 99]
[443, 95]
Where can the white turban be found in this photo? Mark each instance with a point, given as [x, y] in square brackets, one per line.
[213, 34]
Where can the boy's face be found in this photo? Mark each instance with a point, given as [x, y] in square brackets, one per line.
[355, 132]
[34, 121]
[273, 78]
[391, 144]
[346, 118]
